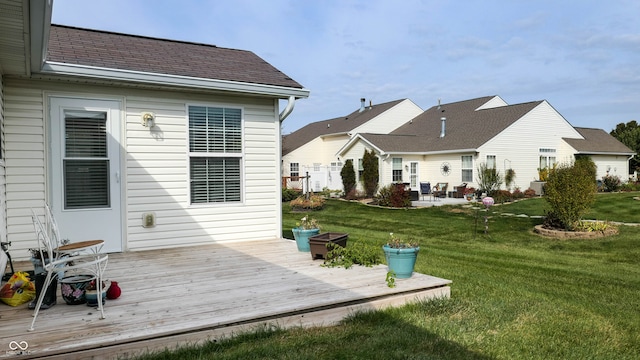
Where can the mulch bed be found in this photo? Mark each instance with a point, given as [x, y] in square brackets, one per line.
[564, 234]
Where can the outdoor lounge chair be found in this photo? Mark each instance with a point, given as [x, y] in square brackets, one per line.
[425, 189]
[440, 190]
[459, 193]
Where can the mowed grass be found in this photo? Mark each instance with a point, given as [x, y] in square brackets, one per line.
[515, 295]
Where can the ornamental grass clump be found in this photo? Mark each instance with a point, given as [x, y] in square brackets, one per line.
[314, 202]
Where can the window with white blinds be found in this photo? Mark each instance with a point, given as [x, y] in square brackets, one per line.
[85, 162]
[215, 154]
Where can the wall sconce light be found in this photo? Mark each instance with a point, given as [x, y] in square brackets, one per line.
[406, 167]
[148, 119]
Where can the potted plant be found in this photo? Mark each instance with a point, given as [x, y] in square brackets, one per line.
[469, 193]
[306, 228]
[91, 293]
[401, 256]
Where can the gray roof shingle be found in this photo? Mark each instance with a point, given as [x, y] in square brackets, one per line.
[597, 141]
[110, 50]
[337, 125]
[465, 127]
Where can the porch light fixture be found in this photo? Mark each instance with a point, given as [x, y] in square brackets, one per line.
[148, 119]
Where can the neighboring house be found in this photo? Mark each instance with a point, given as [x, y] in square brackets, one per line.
[145, 143]
[313, 148]
[447, 142]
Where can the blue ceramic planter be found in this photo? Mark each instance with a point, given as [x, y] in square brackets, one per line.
[401, 261]
[302, 238]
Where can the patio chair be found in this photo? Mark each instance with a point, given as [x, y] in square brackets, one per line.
[59, 258]
[425, 189]
[440, 190]
[459, 193]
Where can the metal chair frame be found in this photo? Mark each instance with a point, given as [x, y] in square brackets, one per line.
[85, 255]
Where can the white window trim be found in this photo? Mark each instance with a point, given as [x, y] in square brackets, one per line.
[241, 155]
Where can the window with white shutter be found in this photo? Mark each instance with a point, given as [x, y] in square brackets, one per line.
[215, 154]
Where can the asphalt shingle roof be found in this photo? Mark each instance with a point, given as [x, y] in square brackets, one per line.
[103, 49]
[337, 125]
[597, 141]
[465, 127]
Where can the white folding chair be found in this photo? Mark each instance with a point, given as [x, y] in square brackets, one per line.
[58, 258]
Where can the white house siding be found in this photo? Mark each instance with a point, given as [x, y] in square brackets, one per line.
[430, 169]
[495, 102]
[318, 151]
[519, 144]
[323, 150]
[155, 164]
[24, 161]
[3, 181]
[612, 165]
[390, 119]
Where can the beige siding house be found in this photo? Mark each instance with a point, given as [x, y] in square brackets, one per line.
[143, 151]
[313, 148]
[447, 142]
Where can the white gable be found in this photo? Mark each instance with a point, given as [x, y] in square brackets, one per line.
[495, 102]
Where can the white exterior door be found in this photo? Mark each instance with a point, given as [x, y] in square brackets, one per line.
[413, 175]
[85, 170]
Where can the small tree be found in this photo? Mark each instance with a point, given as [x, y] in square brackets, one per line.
[489, 179]
[348, 175]
[570, 191]
[370, 177]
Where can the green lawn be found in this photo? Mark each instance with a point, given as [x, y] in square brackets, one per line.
[515, 295]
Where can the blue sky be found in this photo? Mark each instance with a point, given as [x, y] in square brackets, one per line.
[583, 57]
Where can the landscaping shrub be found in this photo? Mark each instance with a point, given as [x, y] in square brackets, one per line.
[315, 202]
[489, 179]
[501, 196]
[570, 190]
[611, 183]
[289, 194]
[630, 186]
[517, 194]
[370, 176]
[393, 195]
[348, 175]
[529, 193]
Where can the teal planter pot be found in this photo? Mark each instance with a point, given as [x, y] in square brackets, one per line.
[401, 261]
[302, 238]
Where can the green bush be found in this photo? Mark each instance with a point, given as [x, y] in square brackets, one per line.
[611, 183]
[393, 195]
[570, 190]
[501, 196]
[289, 194]
[348, 175]
[489, 179]
[370, 175]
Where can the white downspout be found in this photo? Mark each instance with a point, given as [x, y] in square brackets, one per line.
[288, 109]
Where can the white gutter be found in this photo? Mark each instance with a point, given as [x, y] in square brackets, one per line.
[287, 110]
[55, 68]
[38, 39]
[432, 152]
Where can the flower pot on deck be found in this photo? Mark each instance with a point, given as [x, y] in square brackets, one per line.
[401, 260]
[302, 238]
[73, 288]
[318, 243]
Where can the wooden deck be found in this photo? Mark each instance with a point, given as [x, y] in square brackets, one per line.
[191, 294]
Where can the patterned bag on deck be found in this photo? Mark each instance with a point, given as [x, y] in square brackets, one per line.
[18, 290]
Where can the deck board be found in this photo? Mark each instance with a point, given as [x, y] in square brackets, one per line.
[189, 294]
